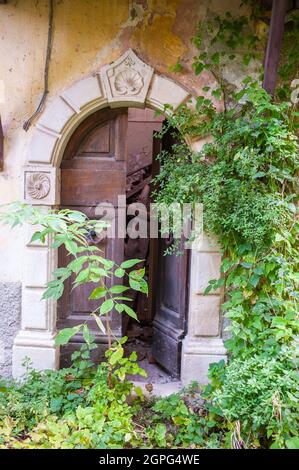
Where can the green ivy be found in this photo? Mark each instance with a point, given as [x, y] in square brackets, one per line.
[246, 179]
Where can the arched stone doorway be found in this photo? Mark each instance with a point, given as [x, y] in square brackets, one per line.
[126, 82]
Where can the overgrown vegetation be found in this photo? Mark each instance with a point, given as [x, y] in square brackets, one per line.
[246, 178]
[79, 408]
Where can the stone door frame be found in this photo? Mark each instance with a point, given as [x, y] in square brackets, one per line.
[126, 82]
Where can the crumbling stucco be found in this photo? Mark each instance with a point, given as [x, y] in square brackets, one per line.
[10, 315]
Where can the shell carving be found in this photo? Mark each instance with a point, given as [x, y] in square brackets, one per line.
[128, 82]
[38, 185]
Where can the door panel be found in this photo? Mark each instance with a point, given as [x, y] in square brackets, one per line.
[90, 187]
[170, 301]
[171, 308]
[93, 171]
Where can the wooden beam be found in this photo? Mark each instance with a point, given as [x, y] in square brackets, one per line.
[1, 147]
[278, 13]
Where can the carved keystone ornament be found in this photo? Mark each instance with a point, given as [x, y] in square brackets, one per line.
[127, 77]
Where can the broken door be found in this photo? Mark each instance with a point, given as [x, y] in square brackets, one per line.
[169, 293]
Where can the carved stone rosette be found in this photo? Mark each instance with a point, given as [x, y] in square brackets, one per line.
[41, 185]
[38, 185]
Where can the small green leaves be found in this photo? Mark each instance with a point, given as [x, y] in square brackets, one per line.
[116, 355]
[87, 336]
[137, 282]
[292, 443]
[83, 276]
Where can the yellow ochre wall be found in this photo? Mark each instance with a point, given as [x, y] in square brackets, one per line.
[87, 35]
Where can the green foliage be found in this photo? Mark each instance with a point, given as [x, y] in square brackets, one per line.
[73, 408]
[246, 179]
[26, 403]
[72, 229]
[184, 427]
[261, 393]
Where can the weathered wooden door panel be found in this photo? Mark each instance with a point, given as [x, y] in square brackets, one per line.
[171, 307]
[93, 171]
[90, 187]
[169, 301]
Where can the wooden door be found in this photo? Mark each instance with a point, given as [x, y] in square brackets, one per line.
[170, 297]
[93, 171]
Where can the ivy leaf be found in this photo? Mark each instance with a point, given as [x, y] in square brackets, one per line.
[130, 263]
[99, 323]
[129, 311]
[64, 336]
[118, 289]
[199, 67]
[106, 306]
[119, 272]
[116, 356]
[98, 293]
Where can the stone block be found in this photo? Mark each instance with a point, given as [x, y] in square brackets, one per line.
[42, 146]
[36, 267]
[41, 358]
[204, 316]
[204, 268]
[83, 93]
[197, 355]
[42, 185]
[163, 91]
[56, 115]
[126, 81]
[34, 309]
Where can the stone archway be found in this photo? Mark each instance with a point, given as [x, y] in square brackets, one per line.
[126, 82]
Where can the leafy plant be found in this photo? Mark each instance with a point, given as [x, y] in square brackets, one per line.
[94, 416]
[72, 229]
[261, 393]
[246, 178]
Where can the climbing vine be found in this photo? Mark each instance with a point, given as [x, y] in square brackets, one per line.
[246, 178]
